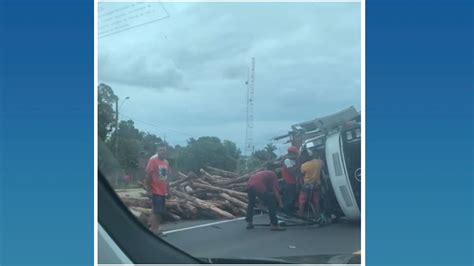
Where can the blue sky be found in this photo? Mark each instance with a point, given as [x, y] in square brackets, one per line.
[185, 74]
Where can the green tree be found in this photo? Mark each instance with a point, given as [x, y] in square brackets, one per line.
[266, 154]
[232, 155]
[262, 155]
[106, 112]
[124, 149]
[270, 150]
[208, 151]
[150, 144]
[253, 162]
[129, 147]
[259, 157]
[108, 165]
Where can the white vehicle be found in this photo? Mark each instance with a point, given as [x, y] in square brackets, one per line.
[341, 150]
[337, 139]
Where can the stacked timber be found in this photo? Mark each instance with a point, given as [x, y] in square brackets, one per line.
[214, 193]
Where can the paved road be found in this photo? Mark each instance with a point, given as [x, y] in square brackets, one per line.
[231, 239]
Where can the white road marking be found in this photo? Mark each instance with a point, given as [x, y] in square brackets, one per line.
[202, 225]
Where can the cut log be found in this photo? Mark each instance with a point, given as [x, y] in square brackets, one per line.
[146, 211]
[239, 179]
[234, 201]
[145, 194]
[181, 184]
[222, 173]
[242, 198]
[242, 178]
[203, 204]
[197, 190]
[198, 193]
[173, 216]
[144, 185]
[201, 181]
[189, 177]
[211, 195]
[190, 208]
[172, 204]
[216, 180]
[223, 204]
[207, 214]
[179, 178]
[130, 193]
[181, 175]
[142, 216]
[135, 213]
[236, 211]
[219, 189]
[137, 202]
[237, 187]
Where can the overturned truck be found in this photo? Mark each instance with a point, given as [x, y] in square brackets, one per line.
[337, 137]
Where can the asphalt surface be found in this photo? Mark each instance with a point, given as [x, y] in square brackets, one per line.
[232, 240]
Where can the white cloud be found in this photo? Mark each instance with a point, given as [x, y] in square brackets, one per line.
[188, 72]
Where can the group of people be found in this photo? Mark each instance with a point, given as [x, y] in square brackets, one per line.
[301, 183]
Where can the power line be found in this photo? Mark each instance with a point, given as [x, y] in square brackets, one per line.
[181, 132]
[159, 127]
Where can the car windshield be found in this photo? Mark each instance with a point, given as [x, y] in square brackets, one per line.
[218, 124]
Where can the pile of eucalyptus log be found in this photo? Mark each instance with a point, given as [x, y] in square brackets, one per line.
[212, 193]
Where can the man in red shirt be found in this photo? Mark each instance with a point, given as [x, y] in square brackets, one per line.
[158, 171]
[264, 185]
[289, 172]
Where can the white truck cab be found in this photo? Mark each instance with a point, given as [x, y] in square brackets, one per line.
[344, 171]
[340, 148]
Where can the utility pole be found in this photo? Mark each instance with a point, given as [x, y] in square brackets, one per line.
[116, 125]
[116, 137]
[116, 131]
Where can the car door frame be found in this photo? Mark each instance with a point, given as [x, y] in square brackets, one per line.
[132, 238]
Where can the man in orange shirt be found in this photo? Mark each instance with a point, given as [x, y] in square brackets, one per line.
[311, 171]
[158, 171]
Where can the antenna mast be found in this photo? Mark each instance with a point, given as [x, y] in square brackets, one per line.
[249, 147]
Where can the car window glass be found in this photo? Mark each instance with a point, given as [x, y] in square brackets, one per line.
[197, 100]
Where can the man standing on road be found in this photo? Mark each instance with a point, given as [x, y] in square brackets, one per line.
[158, 170]
[264, 185]
[289, 173]
[311, 170]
